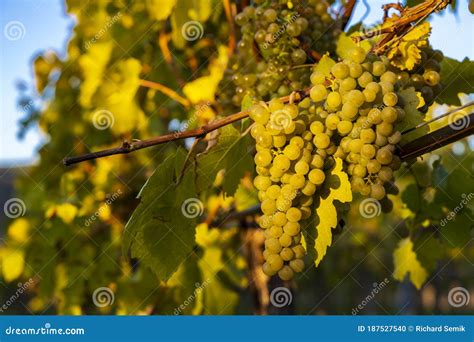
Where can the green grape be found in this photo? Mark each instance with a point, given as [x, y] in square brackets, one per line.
[318, 93]
[316, 176]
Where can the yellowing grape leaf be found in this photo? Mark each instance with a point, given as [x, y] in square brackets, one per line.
[13, 263]
[65, 211]
[345, 44]
[117, 99]
[326, 211]
[187, 21]
[160, 9]
[405, 260]
[19, 230]
[204, 88]
[324, 65]
[404, 52]
[93, 64]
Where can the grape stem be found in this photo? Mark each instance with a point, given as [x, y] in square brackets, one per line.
[419, 146]
[200, 132]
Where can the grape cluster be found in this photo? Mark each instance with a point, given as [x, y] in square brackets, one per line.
[357, 110]
[424, 77]
[275, 37]
[289, 173]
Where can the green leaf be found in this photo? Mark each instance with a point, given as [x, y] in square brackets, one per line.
[411, 197]
[456, 77]
[159, 232]
[413, 116]
[231, 153]
[428, 249]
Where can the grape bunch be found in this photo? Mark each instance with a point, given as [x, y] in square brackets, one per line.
[276, 37]
[358, 109]
[289, 173]
[424, 77]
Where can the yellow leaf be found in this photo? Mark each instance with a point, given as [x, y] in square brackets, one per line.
[13, 263]
[93, 64]
[421, 100]
[160, 9]
[406, 262]
[204, 88]
[19, 230]
[327, 213]
[66, 212]
[404, 52]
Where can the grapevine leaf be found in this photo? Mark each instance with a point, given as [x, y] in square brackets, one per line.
[119, 97]
[93, 64]
[457, 77]
[19, 230]
[160, 9]
[204, 88]
[13, 263]
[326, 210]
[406, 261]
[159, 232]
[404, 52]
[412, 117]
[324, 65]
[411, 197]
[187, 19]
[232, 152]
[345, 44]
[428, 249]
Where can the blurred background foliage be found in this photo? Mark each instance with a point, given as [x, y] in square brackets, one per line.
[70, 240]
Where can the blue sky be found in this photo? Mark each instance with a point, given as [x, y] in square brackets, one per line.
[44, 25]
